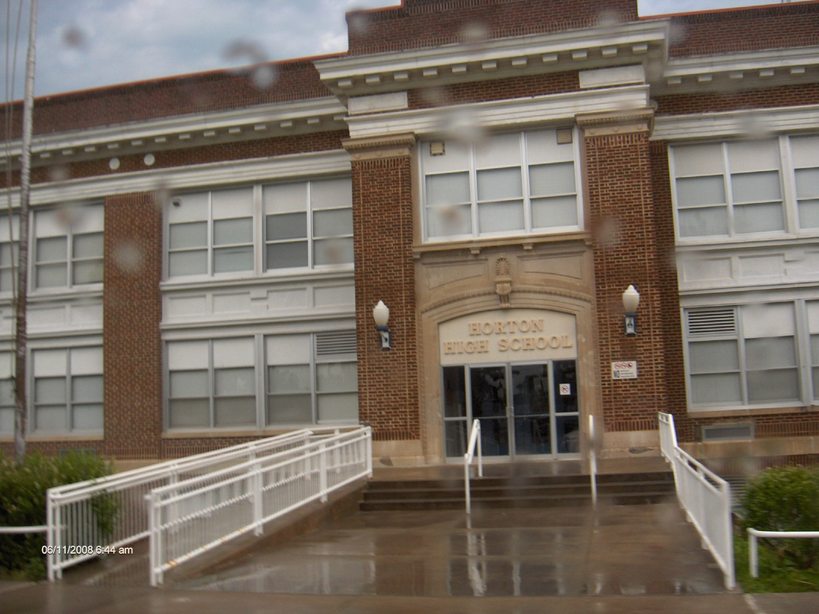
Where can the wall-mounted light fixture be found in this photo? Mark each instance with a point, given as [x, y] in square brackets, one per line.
[381, 315]
[631, 300]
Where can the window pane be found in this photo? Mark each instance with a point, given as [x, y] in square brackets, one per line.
[234, 382]
[87, 272]
[336, 377]
[713, 356]
[188, 263]
[333, 222]
[7, 391]
[447, 189]
[331, 193]
[232, 232]
[770, 353]
[289, 409]
[6, 420]
[333, 251]
[189, 384]
[51, 275]
[704, 222]
[53, 249]
[193, 234]
[755, 187]
[692, 191]
[454, 392]
[455, 438]
[87, 417]
[449, 220]
[50, 419]
[189, 413]
[288, 378]
[87, 389]
[551, 179]
[809, 213]
[712, 389]
[5, 253]
[285, 255]
[499, 183]
[286, 226]
[759, 218]
[807, 182]
[773, 386]
[5, 280]
[49, 390]
[338, 407]
[235, 411]
[88, 245]
[499, 217]
[229, 259]
[554, 212]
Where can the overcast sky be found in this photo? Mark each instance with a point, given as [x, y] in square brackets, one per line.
[89, 43]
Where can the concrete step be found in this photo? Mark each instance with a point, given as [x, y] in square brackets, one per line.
[517, 492]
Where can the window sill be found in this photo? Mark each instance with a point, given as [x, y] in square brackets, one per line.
[723, 412]
[40, 438]
[195, 283]
[527, 242]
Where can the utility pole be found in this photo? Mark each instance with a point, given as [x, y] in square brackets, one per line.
[21, 335]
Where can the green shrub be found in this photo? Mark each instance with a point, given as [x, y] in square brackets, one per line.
[786, 499]
[23, 503]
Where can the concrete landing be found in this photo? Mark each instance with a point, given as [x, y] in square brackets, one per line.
[616, 550]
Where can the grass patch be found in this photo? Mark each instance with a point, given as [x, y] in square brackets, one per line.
[775, 575]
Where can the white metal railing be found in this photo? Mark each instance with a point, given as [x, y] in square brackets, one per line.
[705, 497]
[88, 518]
[474, 444]
[193, 516]
[753, 548]
[23, 530]
[592, 461]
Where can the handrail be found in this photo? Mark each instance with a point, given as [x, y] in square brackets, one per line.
[70, 508]
[753, 552]
[592, 462]
[705, 497]
[194, 516]
[474, 442]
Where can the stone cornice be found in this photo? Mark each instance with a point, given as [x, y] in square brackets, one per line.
[617, 122]
[370, 148]
[736, 123]
[628, 43]
[200, 129]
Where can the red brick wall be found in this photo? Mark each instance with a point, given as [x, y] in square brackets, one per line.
[621, 214]
[384, 270]
[170, 96]
[499, 89]
[712, 102]
[707, 33]
[426, 23]
[132, 311]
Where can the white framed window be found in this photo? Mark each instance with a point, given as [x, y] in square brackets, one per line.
[308, 224]
[743, 356]
[262, 228]
[510, 184]
[66, 390]
[9, 237]
[67, 246]
[211, 233]
[744, 189]
[7, 402]
[307, 378]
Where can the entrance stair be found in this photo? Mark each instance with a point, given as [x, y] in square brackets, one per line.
[517, 491]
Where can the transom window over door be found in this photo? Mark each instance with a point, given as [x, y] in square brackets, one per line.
[510, 184]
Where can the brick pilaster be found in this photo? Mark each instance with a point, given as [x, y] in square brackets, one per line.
[132, 311]
[621, 214]
[384, 270]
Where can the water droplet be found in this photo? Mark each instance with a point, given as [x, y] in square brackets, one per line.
[128, 257]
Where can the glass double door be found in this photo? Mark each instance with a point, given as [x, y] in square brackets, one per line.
[524, 408]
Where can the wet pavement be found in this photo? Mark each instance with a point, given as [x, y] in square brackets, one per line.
[616, 550]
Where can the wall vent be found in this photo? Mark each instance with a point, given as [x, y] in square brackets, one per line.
[335, 342]
[728, 432]
[712, 321]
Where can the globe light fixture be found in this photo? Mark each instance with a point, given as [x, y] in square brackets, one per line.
[631, 300]
[381, 315]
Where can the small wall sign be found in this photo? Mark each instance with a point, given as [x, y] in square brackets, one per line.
[624, 369]
[565, 390]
